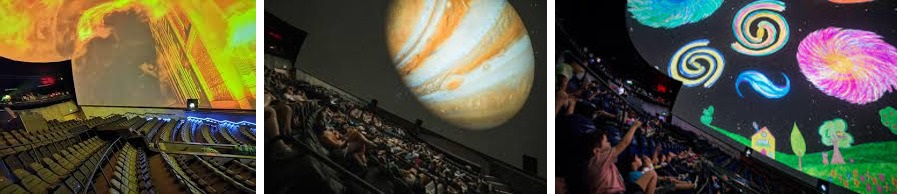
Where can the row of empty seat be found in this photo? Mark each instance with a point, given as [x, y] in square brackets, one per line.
[20, 140]
[76, 156]
[198, 131]
[101, 121]
[180, 174]
[164, 131]
[195, 173]
[185, 130]
[61, 167]
[234, 168]
[130, 172]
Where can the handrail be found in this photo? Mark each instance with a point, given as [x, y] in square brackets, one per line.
[223, 175]
[157, 147]
[97, 167]
[177, 169]
[206, 144]
[209, 154]
[244, 166]
[716, 170]
[333, 164]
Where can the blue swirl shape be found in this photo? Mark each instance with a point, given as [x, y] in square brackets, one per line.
[762, 84]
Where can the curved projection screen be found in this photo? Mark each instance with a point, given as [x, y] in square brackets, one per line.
[141, 52]
[807, 83]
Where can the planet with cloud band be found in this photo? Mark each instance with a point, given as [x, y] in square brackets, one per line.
[470, 62]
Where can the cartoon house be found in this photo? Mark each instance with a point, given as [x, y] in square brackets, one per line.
[764, 142]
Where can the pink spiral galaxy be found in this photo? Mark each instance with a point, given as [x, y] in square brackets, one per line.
[853, 65]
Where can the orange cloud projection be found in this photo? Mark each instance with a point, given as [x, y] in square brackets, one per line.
[140, 52]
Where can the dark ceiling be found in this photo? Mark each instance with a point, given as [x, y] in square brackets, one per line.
[601, 27]
[17, 74]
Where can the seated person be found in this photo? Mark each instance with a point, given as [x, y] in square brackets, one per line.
[643, 165]
[560, 185]
[335, 143]
[294, 96]
[603, 176]
[277, 122]
[355, 113]
[356, 145]
[638, 173]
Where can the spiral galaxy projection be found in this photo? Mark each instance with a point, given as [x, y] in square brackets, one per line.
[762, 85]
[671, 13]
[469, 62]
[696, 63]
[853, 65]
[771, 30]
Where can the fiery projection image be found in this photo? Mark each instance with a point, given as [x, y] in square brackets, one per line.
[140, 52]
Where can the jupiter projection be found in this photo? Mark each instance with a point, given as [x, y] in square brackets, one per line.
[469, 62]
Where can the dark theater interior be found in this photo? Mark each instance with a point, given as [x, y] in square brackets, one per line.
[713, 96]
[127, 97]
[459, 110]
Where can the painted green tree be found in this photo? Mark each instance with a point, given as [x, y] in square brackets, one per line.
[834, 133]
[889, 118]
[798, 146]
[708, 115]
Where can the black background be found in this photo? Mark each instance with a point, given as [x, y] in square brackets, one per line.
[804, 104]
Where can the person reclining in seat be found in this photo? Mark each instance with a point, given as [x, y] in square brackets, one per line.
[641, 171]
[603, 176]
[346, 148]
[277, 123]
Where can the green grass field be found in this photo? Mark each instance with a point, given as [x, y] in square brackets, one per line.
[873, 165]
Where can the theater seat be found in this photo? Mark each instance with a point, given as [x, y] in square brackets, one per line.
[44, 173]
[32, 183]
[63, 162]
[6, 186]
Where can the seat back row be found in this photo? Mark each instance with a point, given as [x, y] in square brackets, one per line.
[206, 133]
[130, 172]
[222, 132]
[180, 174]
[164, 134]
[233, 168]
[209, 178]
[51, 172]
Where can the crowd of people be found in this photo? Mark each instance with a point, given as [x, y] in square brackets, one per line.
[31, 97]
[604, 145]
[303, 119]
